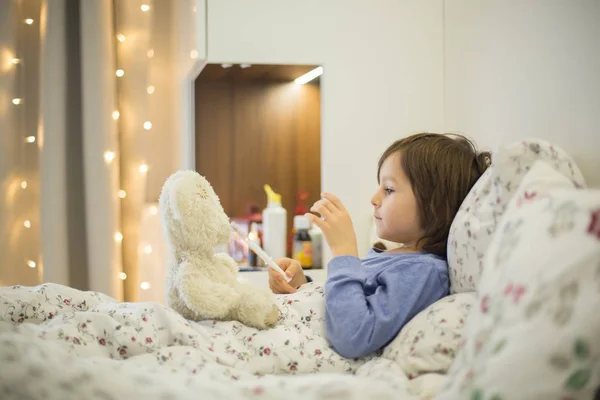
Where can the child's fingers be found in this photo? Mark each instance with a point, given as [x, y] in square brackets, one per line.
[278, 284]
[325, 208]
[315, 220]
[333, 198]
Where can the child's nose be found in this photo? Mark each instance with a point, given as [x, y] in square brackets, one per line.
[374, 201]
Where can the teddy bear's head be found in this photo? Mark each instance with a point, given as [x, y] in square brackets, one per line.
[191, 213]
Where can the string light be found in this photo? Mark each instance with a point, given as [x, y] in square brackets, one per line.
[150, 53]
[109, 156]
[123, 276]
[153, 210]
[147, 249]
[193, 54]
[116, 115]
[145, 286]
[145, 7]
[120, 73]
[15, 60]
[121, 38]
[118, 237]
[147, 125]
[143, 168]
[150, 89]
[122, 194]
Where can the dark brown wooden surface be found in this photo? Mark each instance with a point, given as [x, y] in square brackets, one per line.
[249, 133]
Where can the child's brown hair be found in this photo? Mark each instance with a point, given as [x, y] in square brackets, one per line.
[441, 169]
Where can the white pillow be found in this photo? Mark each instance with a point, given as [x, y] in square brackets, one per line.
[534, 332]
[476, 220]
[429, 342]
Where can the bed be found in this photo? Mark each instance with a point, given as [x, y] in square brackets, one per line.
[521, 321]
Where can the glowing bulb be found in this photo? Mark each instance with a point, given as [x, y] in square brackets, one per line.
[150, 89]
[145, 7]
[145, 286]
[147, 249]
[150, 53]
[193, 54]
[143, 168]
[122, 194]
[30, 139]
[147, 125]
[123, 276]
[118, 236]
[17, 101]
[31, 264]
[29, 21]
[121, 38]
[109, 156]
[116, 115]
[15, 60]
[194, 9]
[153, 210]
[24, 185]
[120, 73]
[27, 224]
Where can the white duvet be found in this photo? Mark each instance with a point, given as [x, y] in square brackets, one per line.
[60, 343]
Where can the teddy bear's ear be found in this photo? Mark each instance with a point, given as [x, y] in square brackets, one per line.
[173, 203]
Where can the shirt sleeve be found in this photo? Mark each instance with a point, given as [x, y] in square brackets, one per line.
[358, 324]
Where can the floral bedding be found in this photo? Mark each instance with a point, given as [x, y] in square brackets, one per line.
[60, 343]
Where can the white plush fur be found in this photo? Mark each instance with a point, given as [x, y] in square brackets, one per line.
[200, 284]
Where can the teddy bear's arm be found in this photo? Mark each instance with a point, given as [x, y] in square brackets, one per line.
[205, 297]
[227, 261]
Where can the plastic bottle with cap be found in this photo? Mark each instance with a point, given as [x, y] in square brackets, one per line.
[274, 225]
[316, 237]
[253, 237]
[302, 244]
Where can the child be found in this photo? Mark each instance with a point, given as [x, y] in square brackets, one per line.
[423, 180]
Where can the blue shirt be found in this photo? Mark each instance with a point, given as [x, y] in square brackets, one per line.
[368, 301]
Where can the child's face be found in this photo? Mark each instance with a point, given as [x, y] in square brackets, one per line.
[395, 205]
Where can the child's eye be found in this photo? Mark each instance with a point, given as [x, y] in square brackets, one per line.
[388, 190]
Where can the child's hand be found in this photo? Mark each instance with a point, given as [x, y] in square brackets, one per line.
[294, 270]
[336, 225]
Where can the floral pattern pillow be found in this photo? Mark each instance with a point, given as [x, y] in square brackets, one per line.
[534, 331]
[482, 209]
[429, 342]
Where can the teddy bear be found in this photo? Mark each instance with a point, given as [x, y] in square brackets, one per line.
[201, 284]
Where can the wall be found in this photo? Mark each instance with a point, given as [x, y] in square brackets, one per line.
[249, 133]
[517, 69]
[383, 75]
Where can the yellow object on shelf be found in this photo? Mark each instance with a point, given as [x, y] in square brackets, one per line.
[272, 197]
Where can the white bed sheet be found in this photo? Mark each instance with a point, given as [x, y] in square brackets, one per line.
[60, 343]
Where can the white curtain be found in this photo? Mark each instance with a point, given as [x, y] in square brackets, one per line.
[20, 141]
[80, 190]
